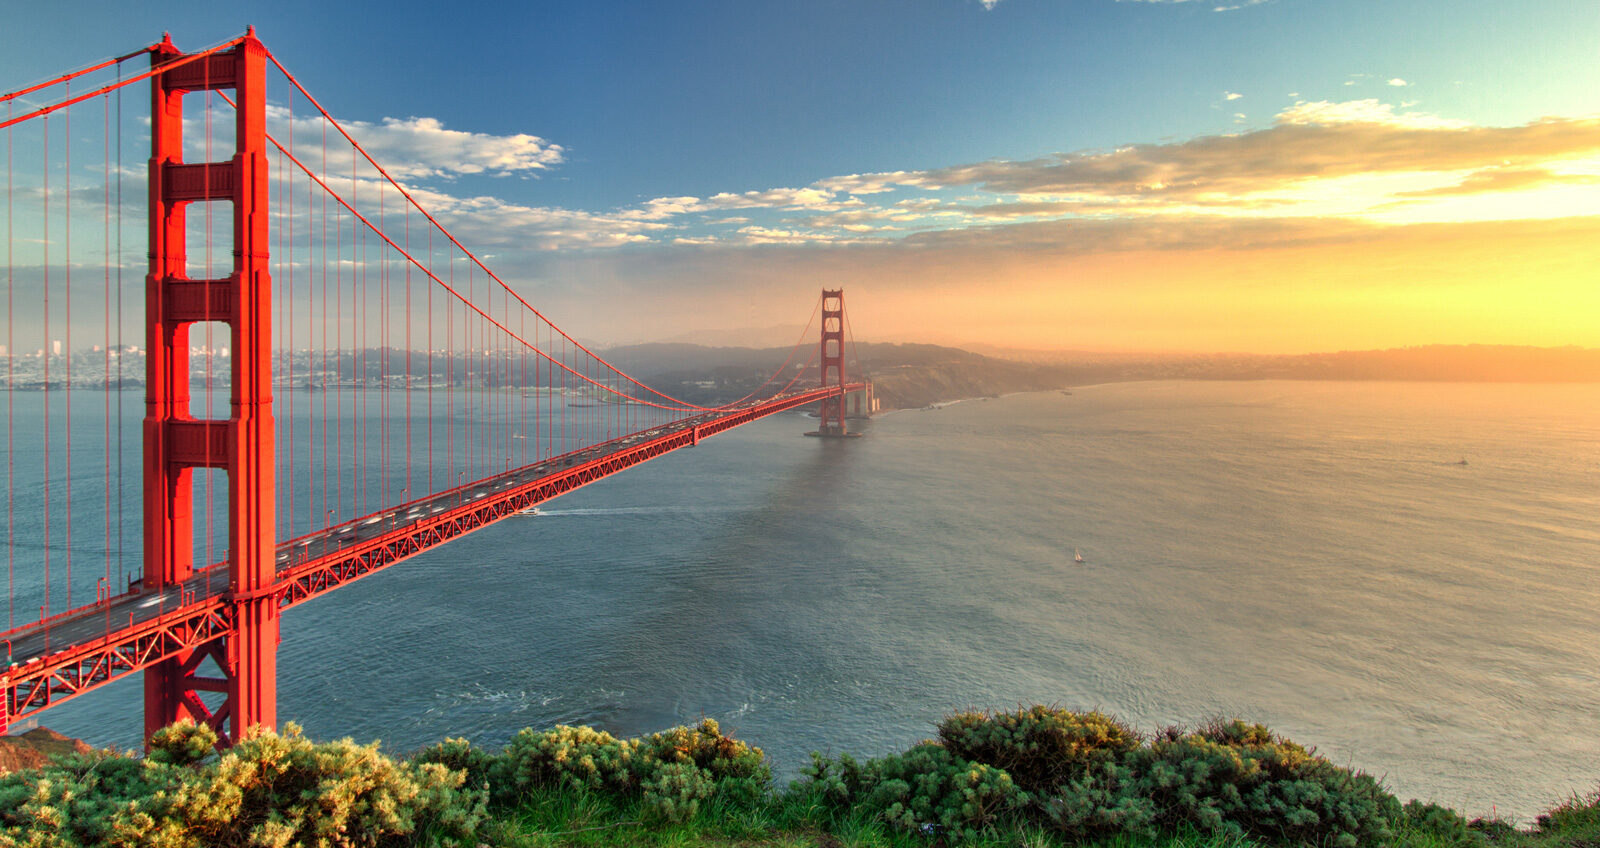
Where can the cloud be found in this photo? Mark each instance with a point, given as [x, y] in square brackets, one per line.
[870, 183]
[989, 4]
[1312, 140]
[422, 147]
[777, 198]
[1505, 179]
[1357, 159]
[1369, 111]
[1231, 95]
[1398, 82]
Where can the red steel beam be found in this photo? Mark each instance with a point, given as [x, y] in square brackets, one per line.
[44, 682]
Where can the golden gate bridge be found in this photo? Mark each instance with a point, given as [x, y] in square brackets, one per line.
[420, 397]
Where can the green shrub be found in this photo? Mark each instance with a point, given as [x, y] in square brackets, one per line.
[738, 772]
[1494, 830]
[1272, 789]
[280, 790]
[1238, 734]
[1108, 801]
[926, 785]
[183, 743]
[1042, 748]
[1442, 825]
[705, 746]
[572, 757]
[269, 790]
[673, 791]
[459, 755]
[76, 800]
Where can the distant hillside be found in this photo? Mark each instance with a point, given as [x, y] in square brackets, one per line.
[915, 375]
[35, 748]
[903, 375]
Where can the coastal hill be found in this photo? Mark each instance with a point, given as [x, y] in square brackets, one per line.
[915, 375]
[34, 749]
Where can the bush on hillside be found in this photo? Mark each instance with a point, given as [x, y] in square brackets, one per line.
[1041, 747]
[1441, 825]
[579, 758]
[458, 754]
[925, 786]
[1088, 776]
[672, 772]
[75, 800]
[269, 790]
[736, 772]
[1109, 800]
[1246, 781]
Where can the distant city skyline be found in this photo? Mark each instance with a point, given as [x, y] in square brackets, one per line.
[1268, 176]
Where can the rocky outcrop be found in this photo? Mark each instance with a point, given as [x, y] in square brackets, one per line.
[35, 748]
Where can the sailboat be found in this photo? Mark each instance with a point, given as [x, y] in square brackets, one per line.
[1077, 556]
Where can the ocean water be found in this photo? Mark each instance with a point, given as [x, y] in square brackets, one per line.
[1315, 556]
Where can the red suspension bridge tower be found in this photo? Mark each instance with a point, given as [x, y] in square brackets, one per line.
[831, 357]
[175, 442]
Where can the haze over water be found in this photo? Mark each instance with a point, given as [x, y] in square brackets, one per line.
[1314, 556]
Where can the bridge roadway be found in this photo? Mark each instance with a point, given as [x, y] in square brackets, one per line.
[63, 656]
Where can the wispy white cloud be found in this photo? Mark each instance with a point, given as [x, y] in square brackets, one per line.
[422, 147]
[1398, 82]
[1231, 95]
[777, 198]
[1368, 111]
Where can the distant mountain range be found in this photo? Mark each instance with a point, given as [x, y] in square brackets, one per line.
[912, 375]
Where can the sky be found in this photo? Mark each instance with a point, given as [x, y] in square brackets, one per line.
[1271, 176]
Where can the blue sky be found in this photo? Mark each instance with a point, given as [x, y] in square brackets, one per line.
[736, 149]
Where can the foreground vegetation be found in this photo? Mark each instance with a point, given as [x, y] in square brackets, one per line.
[1038, 776]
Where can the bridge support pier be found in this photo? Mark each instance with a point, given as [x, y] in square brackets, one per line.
[175, 442]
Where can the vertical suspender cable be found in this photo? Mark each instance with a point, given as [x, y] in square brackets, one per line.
[327, 514]
[66, 348]
[105, 343]
[11, 381]
[410, 411]
[47, 351]
[122, 352]
[286, 195]
[211, 347]
[429, 294]
[338, 361]
[66, 217]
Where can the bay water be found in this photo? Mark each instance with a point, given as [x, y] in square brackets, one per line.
[1406, 576]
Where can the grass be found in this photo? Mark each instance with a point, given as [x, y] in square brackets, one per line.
[570, 819]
